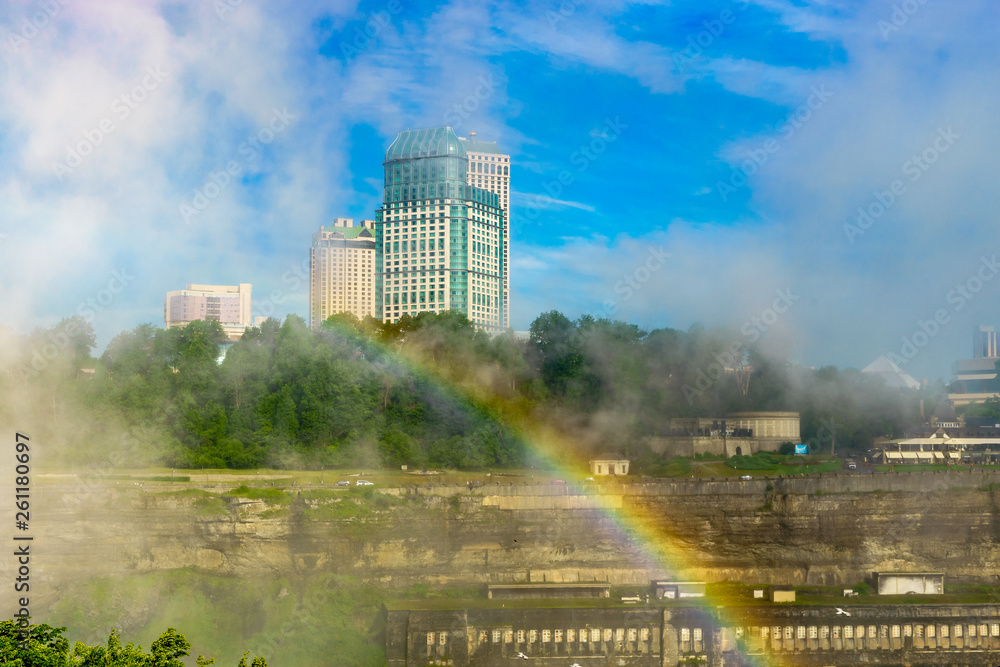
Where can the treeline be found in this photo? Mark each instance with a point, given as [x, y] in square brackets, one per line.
[433, 391]
[23, 644]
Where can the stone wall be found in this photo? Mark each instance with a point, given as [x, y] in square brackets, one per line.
[830, 530]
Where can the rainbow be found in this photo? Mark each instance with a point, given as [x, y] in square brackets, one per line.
[553, 449]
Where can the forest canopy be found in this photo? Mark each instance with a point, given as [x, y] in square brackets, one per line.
[430, 390]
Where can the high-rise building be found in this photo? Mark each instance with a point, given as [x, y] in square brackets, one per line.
[439, 240]
[342, 270]
[984, 342]
[229, 305]
[490, 169]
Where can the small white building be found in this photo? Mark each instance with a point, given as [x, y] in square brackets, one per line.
[674, 590]
[899, 583]
[609, 464]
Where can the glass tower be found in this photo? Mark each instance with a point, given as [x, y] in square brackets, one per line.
[438, 240]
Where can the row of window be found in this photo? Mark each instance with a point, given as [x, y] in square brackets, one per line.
[556, 636]
[870, 631]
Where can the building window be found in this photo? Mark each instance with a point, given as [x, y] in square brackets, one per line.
[508, 636]
[546, 635]
[824, 632]
[571, 635]
[532, 636]
[558, 636]
[430, 638]
[442, 638]
[520, 636]
[644, 634]
[849, 632]
[895, 631]
[789, 630]
[800, 632]
[632, 634]
[685, 635]
[496, 636]
[595, 635]
[620, 635]
[812, 632]
[836, 632]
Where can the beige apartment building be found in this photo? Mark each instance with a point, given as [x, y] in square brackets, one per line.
[342, 271]
[489, 169]
[229, 305]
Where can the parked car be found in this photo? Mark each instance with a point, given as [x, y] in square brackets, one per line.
[363, 482]
[343, 482]
[745, 477]
[558, 481]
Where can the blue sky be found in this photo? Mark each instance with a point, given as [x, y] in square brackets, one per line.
[714, 156]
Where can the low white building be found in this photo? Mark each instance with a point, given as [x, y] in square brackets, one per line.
[609, 464]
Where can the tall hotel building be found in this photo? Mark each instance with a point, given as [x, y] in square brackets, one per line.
[440, 240]
[490, 169]
[342, 271]
[229, 305]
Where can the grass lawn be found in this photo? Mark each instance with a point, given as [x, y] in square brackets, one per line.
[787, 465]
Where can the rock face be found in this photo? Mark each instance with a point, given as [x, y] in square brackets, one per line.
[832, 535]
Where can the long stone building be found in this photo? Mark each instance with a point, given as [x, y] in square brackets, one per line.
[737, 433]
[932, 634]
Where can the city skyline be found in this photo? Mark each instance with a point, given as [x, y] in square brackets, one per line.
[675, 165]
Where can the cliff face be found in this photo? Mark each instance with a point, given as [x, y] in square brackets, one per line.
[467, 538]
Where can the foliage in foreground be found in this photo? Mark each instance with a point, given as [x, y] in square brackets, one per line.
[41, 645]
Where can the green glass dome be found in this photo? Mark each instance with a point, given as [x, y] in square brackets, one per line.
[432, 142]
